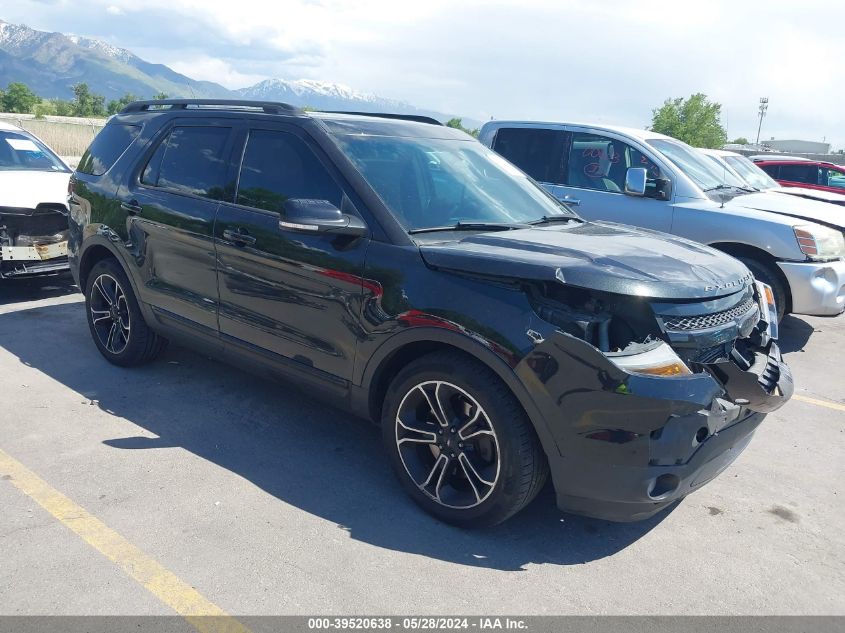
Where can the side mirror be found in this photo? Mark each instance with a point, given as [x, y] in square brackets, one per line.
[319, 216]
[635, 181]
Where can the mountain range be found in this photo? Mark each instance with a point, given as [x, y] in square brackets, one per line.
[51, 63]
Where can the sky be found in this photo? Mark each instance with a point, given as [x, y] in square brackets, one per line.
[610, 61]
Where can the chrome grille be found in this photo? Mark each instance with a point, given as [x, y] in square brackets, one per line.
[707, 321]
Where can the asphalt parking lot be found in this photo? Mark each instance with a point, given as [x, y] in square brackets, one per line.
[257, 500]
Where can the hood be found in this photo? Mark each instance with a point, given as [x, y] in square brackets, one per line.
[28, 189]
[793, 206]
[814, 194]
[596, 255]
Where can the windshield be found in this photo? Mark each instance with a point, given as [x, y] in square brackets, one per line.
[694, 164]
[430, 183]
[19, 151]
[728, 176]
[752, 174]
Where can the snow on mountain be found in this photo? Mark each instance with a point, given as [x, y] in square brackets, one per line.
[320, 94]
[103, 48]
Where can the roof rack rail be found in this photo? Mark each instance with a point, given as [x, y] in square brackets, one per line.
[270, 107]
[419, 118]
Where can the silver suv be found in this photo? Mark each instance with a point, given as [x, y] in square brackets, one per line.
[638, 177]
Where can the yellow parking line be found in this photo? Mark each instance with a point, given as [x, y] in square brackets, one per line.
[205, 616]
[821, 403]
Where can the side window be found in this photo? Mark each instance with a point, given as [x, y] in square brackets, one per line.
[601, 163]
[190, 160]
[772, 170]
[833, 178]
[277, 166]
[539, 153]
[106, 148]
[800, 173]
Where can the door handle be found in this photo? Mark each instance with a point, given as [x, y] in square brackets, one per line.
[573, 201]
[239, 237]
[132, 207]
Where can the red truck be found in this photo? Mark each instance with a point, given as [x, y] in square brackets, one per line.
[809, 174]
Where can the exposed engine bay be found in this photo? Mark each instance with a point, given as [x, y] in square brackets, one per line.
[33, 241]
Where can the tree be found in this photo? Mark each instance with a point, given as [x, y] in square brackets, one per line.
[62, 107]
[117, 105]
[457, 123]
[694, 121]
[86, 103]
[19, 98]
[741, 140]
[43, 109]
[159, 96]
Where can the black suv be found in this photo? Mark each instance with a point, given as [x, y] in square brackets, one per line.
[403, 270]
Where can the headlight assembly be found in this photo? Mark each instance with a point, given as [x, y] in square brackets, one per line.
[820, 242]
[658, 361]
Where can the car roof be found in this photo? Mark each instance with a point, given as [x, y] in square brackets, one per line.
[10, 127]
[717, 152]
[640, 134]
[782, 158]
[364, 124]
[340, 123]
[790, 160]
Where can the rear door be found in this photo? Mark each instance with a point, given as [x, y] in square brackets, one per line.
[172, 201]
[292, 298]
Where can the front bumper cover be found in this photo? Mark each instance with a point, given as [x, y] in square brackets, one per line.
[817, 288]
[630, 445]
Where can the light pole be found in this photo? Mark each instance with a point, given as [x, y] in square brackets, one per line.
[764, 105]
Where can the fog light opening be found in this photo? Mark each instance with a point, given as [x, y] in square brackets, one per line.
[701, 434]
[664, 485]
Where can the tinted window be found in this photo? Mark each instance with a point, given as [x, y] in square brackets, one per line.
[278, 166]
[537, 152]
[601, 163]
[190, 160]
[107, 147]
[800, 173]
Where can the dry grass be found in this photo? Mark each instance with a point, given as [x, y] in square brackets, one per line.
[65, 135]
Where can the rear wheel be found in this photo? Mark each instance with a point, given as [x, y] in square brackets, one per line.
[114, 318]
[459, 441]
[768, 275]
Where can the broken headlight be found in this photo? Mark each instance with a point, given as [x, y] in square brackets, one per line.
[657, 360]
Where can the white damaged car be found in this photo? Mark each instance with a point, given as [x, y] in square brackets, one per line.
[33, 205]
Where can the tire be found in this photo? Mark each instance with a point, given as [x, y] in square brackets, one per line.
[481, 467]
[768, 275]
[115, 320]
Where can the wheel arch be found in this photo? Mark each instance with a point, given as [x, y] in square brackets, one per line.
[738, 249]
[407, 346]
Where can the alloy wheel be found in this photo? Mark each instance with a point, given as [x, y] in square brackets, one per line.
[110, 313]
[447, 444]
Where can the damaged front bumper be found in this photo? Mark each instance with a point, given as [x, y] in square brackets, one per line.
[630, 444]
[33, 241]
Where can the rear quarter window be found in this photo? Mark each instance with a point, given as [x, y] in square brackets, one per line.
[107, 147]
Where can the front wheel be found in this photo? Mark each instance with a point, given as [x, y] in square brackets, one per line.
[115, 320]
[459, 441]
[765, 272]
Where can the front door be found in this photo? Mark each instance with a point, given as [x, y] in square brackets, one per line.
[595, 176]
[285, 295]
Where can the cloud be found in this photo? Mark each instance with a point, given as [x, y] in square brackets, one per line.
[612, 61]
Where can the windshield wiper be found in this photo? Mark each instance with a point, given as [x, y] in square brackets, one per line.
[469, 226]
[723, 187]
[548, 219]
